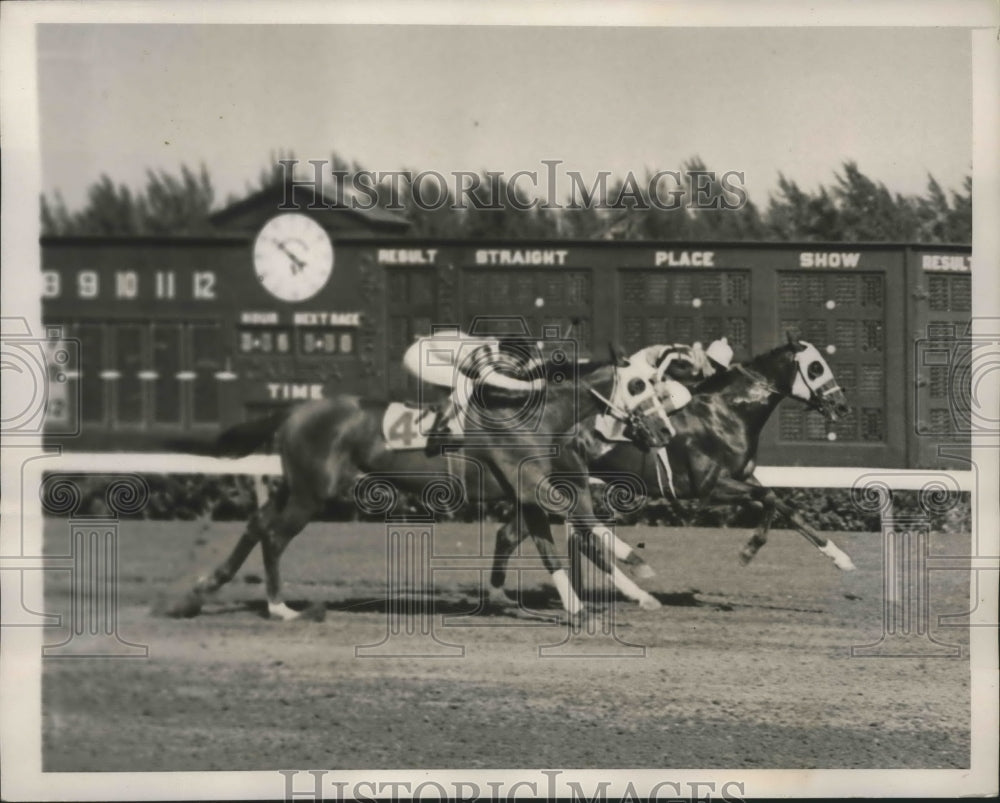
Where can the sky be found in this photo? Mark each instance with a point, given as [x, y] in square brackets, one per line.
[120, 99]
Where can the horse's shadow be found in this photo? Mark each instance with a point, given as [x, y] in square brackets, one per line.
[464, 607]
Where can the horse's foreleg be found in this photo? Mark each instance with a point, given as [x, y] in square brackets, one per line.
[623, 551]
[600, 545]
[840, 558]
[612, 543]
[627, 555]
[736, 490]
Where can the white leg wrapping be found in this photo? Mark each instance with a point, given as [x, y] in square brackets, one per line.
[278, 610]
[840, 558]
[622, 581]
[612, 541]
[646, 600]
[623, 551]
[571, 602]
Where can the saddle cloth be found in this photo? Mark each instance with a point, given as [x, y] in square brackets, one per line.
[406, 426]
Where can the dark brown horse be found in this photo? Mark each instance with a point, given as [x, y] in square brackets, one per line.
[713, 454]
[523, 441]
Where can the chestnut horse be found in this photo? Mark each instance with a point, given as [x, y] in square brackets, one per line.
[524, 441]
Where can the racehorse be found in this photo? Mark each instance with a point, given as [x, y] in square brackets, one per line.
[713, 453]
[522, 439]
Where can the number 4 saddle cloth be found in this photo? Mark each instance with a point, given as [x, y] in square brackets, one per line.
[406, 426]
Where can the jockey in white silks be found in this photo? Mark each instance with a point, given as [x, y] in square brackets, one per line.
[705, 362]
[648, 374]
[454, 360]
[653, 363]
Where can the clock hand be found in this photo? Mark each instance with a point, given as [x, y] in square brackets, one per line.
[299, 263]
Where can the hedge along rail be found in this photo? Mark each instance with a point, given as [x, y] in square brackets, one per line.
[872, 486]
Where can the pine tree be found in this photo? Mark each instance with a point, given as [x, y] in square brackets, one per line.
[168, 204]
[854, 208]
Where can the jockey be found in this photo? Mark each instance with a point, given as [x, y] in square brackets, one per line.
[664, 373]
[454, 360]
[683, 363]
[673, 369]
[445, 358]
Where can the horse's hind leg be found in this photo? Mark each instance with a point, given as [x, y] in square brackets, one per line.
[509, 536]
[279, 528]
[537, 522]
[191, 604]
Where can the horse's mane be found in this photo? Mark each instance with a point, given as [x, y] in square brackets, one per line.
[720, 380]
[717, 381]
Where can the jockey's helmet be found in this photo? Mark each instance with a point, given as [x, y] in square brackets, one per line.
[720, 353]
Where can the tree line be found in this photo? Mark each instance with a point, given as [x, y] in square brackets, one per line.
[852, 208]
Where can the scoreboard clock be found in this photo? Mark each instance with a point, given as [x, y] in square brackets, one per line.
[293, 257]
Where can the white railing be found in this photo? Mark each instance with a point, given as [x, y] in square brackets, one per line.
[260, 465]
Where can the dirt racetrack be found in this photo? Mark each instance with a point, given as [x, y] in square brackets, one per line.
[742, 668]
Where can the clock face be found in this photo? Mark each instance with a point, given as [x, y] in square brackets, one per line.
[293, 257]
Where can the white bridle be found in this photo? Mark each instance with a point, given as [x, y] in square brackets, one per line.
[813, 376]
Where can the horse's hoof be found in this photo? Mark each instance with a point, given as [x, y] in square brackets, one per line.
[278, 610]
[650, 603]
[840, 558]
[186, 608]
[497, 600]
[746, 555]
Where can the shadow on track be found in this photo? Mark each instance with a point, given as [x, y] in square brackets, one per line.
[542, 605]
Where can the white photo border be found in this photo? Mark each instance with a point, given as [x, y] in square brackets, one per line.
[20, 738]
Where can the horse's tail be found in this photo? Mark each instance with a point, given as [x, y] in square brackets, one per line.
[242, 439]
[237, 441]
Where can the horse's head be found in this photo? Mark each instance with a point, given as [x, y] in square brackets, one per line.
[628, 393]
[812, 380]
